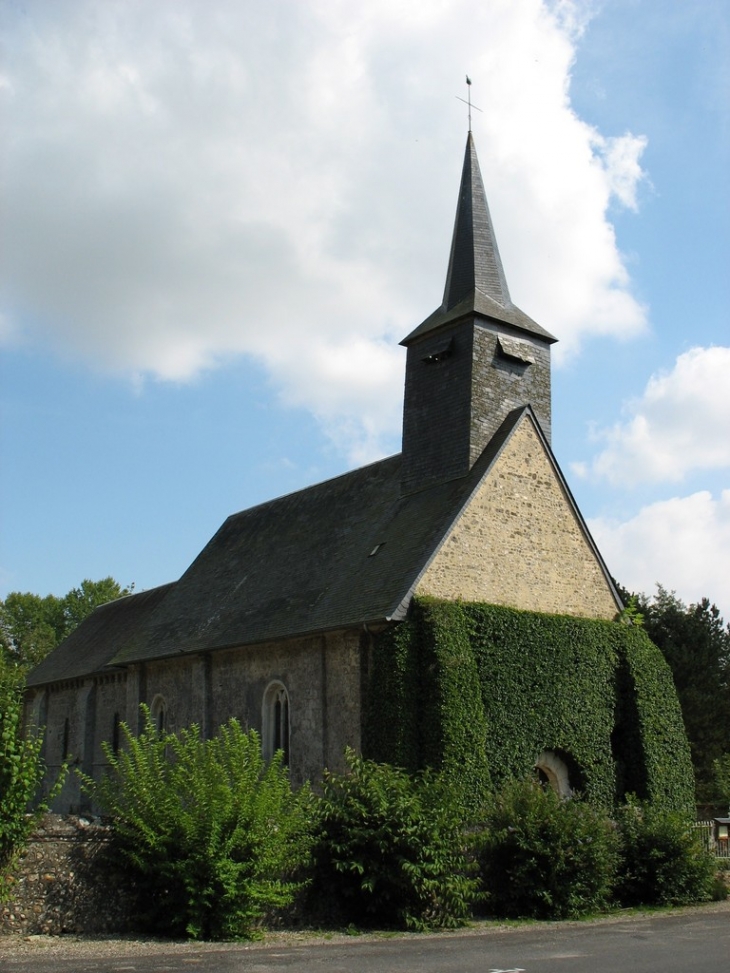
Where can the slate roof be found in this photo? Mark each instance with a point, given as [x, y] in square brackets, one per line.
[304, 563]
[301, 564]
[91, 646]
[340, 554]
[475, 281]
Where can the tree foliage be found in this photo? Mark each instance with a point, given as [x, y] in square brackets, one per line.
[211, 833]
[722, 778]
[21, 775]
[662, 859]
[31, 626]
[389, 848]
[695, 641]
[546, 858]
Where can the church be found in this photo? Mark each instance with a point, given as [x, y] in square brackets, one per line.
[275, 621]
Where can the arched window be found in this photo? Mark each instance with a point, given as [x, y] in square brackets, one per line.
[158, 712]
[115, 733]
[39, 712]
[66, 736]
[552, 771]
[275, 721]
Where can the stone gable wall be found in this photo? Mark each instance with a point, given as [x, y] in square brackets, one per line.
[518, 543]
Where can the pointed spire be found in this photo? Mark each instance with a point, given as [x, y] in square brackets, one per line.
[475, 281]
[474, 264]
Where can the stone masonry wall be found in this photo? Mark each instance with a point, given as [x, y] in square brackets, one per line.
[519, 543]
[63, 883]
[322, 678]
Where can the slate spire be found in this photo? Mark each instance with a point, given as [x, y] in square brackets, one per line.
[474, 263]
[475, 280]
[475, 360]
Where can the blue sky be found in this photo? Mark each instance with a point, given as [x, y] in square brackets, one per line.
[220, 219]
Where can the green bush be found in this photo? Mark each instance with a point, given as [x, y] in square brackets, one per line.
[543, 857]
[662, 858]
[21, 775]
[389, 849]
[213, 834]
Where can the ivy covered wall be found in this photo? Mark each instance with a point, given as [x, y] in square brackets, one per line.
[482, 690]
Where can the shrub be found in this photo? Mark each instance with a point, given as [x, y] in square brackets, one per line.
[213, 835]
[543, 857]
[21, 775]
[389, 849]
[662, 858]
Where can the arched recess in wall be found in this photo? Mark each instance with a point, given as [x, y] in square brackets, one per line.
[39, 718]
[66, 740]
[275, 726]
[552, 771]
[87, 756]
[116, 732]
[158, 713]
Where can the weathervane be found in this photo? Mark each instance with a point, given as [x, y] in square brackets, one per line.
[467, 100]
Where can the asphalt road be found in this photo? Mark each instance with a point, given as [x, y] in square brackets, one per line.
[697, 941]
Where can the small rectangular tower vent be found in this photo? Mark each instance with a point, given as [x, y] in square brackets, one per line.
[439, 351]
[516, 350]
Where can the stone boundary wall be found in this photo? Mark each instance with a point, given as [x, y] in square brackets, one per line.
[63, 883]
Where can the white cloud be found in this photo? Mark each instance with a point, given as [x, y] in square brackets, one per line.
[679, 425]
[620, 157]
[186, 182]
[682, 544]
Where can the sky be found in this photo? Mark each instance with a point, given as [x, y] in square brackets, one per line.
[220, 218]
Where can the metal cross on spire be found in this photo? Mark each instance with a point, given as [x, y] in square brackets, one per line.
[467, 100]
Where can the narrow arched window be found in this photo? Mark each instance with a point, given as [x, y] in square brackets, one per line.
[275, 721]
[66, 735]
[115, 733]
[158, 713]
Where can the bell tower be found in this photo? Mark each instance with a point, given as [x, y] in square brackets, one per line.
[475, 359]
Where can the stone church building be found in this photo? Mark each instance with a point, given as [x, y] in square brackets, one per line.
[274, 620]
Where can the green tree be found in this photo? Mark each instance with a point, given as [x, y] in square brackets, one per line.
[722, 778]
[82, 601]
[544, 857]
[662, 858]
[213, 836]
[695, 641]
[21, 774]
[31, 626]
[390, 848]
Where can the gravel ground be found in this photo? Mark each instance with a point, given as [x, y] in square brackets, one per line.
[87, 947]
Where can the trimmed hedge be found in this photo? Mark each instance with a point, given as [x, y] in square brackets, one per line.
[481, 690]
